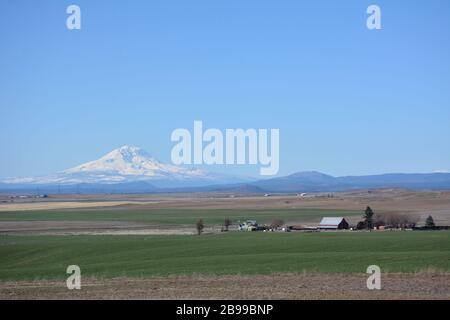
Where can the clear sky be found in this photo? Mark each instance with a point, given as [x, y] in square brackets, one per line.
[347, 100]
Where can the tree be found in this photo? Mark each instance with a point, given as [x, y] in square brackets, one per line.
[200, 226]
[396, 220]
[361, 225]
[379, 220]
[368, 218]
[409, 220]
[393, 220]
[276, 223]
[429, 223]
[227, 223]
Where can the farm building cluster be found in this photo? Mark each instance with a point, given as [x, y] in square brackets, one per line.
[331, 224]
[327, 223]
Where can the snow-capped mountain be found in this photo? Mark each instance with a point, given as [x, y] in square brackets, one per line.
[132, 170]
[129, 164]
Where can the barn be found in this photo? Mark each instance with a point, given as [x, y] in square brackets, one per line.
[337, 223]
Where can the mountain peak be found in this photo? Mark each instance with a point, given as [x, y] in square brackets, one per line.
[128, 164]
[131, 149]
[128, 154]
[128, 148]
[126, 161]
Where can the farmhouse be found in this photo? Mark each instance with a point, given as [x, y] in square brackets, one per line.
[249, 225]
[337, 223]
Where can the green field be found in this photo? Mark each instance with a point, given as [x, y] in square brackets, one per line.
[47, 257]
[177, 216]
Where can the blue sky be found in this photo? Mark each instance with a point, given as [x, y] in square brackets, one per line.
[347, 100]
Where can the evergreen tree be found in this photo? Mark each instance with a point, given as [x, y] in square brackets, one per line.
[429, 223]
[368, 218]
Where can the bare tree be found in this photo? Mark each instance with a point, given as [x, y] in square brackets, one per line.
[411, 220]
[404, 220]
[227, 223]
[393, 220]
[200, 226]
[379, 220]
[399, 220]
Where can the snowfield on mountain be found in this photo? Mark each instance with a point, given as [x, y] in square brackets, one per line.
[124, 165]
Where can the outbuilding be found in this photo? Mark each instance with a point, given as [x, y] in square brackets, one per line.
[335, 223]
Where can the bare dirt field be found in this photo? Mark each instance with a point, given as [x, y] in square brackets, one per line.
[96, 228]
[383, 199]
[278, 286]
[55, 205]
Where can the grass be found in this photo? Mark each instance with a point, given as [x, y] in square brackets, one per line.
[177, 216]
[47, 257]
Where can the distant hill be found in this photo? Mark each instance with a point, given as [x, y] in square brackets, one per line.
[301, 181]
[316, 181]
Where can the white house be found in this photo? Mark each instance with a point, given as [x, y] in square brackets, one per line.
[249, 225]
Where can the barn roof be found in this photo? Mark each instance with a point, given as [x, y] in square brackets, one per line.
[328, 222]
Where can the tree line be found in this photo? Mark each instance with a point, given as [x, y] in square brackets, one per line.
[391, 220]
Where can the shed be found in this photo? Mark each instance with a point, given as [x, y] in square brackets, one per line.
[335, 223]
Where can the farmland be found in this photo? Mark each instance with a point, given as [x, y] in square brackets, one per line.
[176, 216]
[148, 249]
[46, 257]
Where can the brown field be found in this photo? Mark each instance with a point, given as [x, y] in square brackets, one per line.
[55, 204]
[98, 228]
[388, 200]
[278, 286]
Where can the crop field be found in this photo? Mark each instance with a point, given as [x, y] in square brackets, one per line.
[177, 216]
[47, 257]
